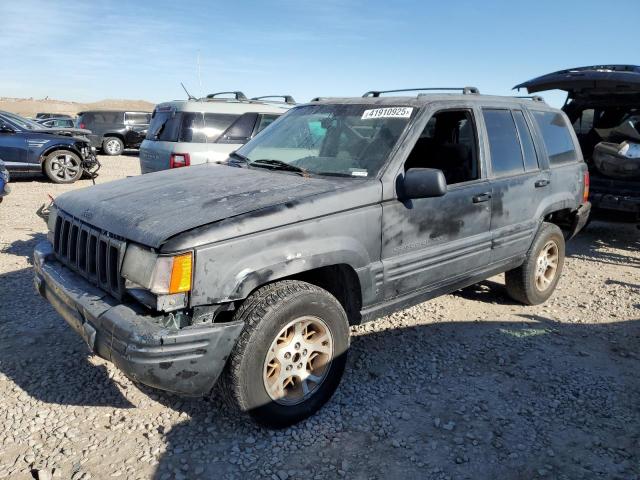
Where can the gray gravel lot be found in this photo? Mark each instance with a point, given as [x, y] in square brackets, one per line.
[467, 386]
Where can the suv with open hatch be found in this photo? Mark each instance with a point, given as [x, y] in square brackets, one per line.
[112, 131]
[249, 274]
[603, 104]
[206, 130]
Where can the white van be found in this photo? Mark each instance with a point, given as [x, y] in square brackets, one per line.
[206, 130]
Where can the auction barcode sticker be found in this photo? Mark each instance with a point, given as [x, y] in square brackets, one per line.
[389, 112]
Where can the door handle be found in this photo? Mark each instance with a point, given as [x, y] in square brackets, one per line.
[483, 197]
[542, 183]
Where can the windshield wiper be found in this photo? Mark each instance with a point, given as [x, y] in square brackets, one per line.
[279, 165]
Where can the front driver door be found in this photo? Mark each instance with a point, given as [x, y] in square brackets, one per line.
[432, 242]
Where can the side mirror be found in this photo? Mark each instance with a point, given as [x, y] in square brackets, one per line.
[422, 183]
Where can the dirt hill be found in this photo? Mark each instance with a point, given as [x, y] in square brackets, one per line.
[28, 107]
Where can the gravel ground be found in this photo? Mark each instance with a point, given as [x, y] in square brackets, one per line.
[469, 385]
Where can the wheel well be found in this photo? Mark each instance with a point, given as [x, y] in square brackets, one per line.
[117, 135]
[562, 218]
[342, 282]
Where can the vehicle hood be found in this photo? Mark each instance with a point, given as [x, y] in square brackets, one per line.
[150, 209]
[68, 132]
[587, 81]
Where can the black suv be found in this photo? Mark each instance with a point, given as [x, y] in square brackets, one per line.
[603, 104]
[28, 147]
[341, 211]
[114, 130]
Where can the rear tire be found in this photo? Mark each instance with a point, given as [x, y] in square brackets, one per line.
[535, 280]
[63, 166]
[290, 357]
[112, 146]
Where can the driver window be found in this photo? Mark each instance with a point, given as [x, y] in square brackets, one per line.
[448, 143]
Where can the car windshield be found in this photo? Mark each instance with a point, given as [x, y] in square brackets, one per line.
[22, 122]
[343, 140]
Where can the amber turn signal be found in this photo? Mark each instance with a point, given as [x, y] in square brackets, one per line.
[181, 273]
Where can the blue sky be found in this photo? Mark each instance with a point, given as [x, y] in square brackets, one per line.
[91, 50]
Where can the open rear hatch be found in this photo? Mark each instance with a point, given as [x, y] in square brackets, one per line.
[589, 81]
[612, 93]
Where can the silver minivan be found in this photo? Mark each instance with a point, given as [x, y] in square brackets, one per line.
[206, 130]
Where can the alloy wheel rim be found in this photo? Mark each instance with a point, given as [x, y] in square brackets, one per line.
[547, 266]
[298, 360]
[65, 167]
[113, 146]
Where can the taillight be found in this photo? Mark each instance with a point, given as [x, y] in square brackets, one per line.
[178, 160]
[82, 125]
[585, 194]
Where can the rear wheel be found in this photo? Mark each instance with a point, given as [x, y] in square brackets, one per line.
[290, 357]
[112, 146]
[63, 166]
[536, 279]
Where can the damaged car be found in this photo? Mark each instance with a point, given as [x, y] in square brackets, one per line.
[603, 104]
[61, 154]
[247, 276]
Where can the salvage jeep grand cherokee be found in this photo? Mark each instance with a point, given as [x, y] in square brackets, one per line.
[344, 210]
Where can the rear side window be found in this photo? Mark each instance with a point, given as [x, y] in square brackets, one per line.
[204, 128]
[240, 131]
[107, 117]
[556, 137]
[529, 151]
[265, 121]
[506, 154]
[137, 118]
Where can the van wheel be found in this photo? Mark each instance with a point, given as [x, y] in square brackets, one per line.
[112, 146]
[536, 279]
[290, 357]
[63, 166]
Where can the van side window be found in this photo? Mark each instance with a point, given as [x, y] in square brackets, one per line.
[506, 154]
[556, 137]
[528, 149]
[448, 143]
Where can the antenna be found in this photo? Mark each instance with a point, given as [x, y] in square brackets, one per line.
[199, 73]
[189, 96]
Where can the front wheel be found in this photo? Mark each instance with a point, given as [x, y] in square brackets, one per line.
[63, 166]
[290, 357]
[535, 280]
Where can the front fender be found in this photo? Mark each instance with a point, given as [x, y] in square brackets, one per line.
[231, 270]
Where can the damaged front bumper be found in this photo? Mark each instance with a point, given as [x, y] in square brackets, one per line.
[186, 361]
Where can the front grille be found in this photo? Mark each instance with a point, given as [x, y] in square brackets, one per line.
[91, 253]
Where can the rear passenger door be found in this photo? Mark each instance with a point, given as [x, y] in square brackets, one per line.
[518, 182]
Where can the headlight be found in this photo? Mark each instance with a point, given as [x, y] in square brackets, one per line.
[159, 274]
[172, 274]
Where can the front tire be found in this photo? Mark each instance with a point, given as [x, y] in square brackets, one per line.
[290, 357]
[63, 166]
[535, 280]
[112, 146]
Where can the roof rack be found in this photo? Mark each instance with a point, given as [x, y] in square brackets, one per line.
[237, 94]
[533, 98]
[317, 99]
[288, 99]
[464, 90]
